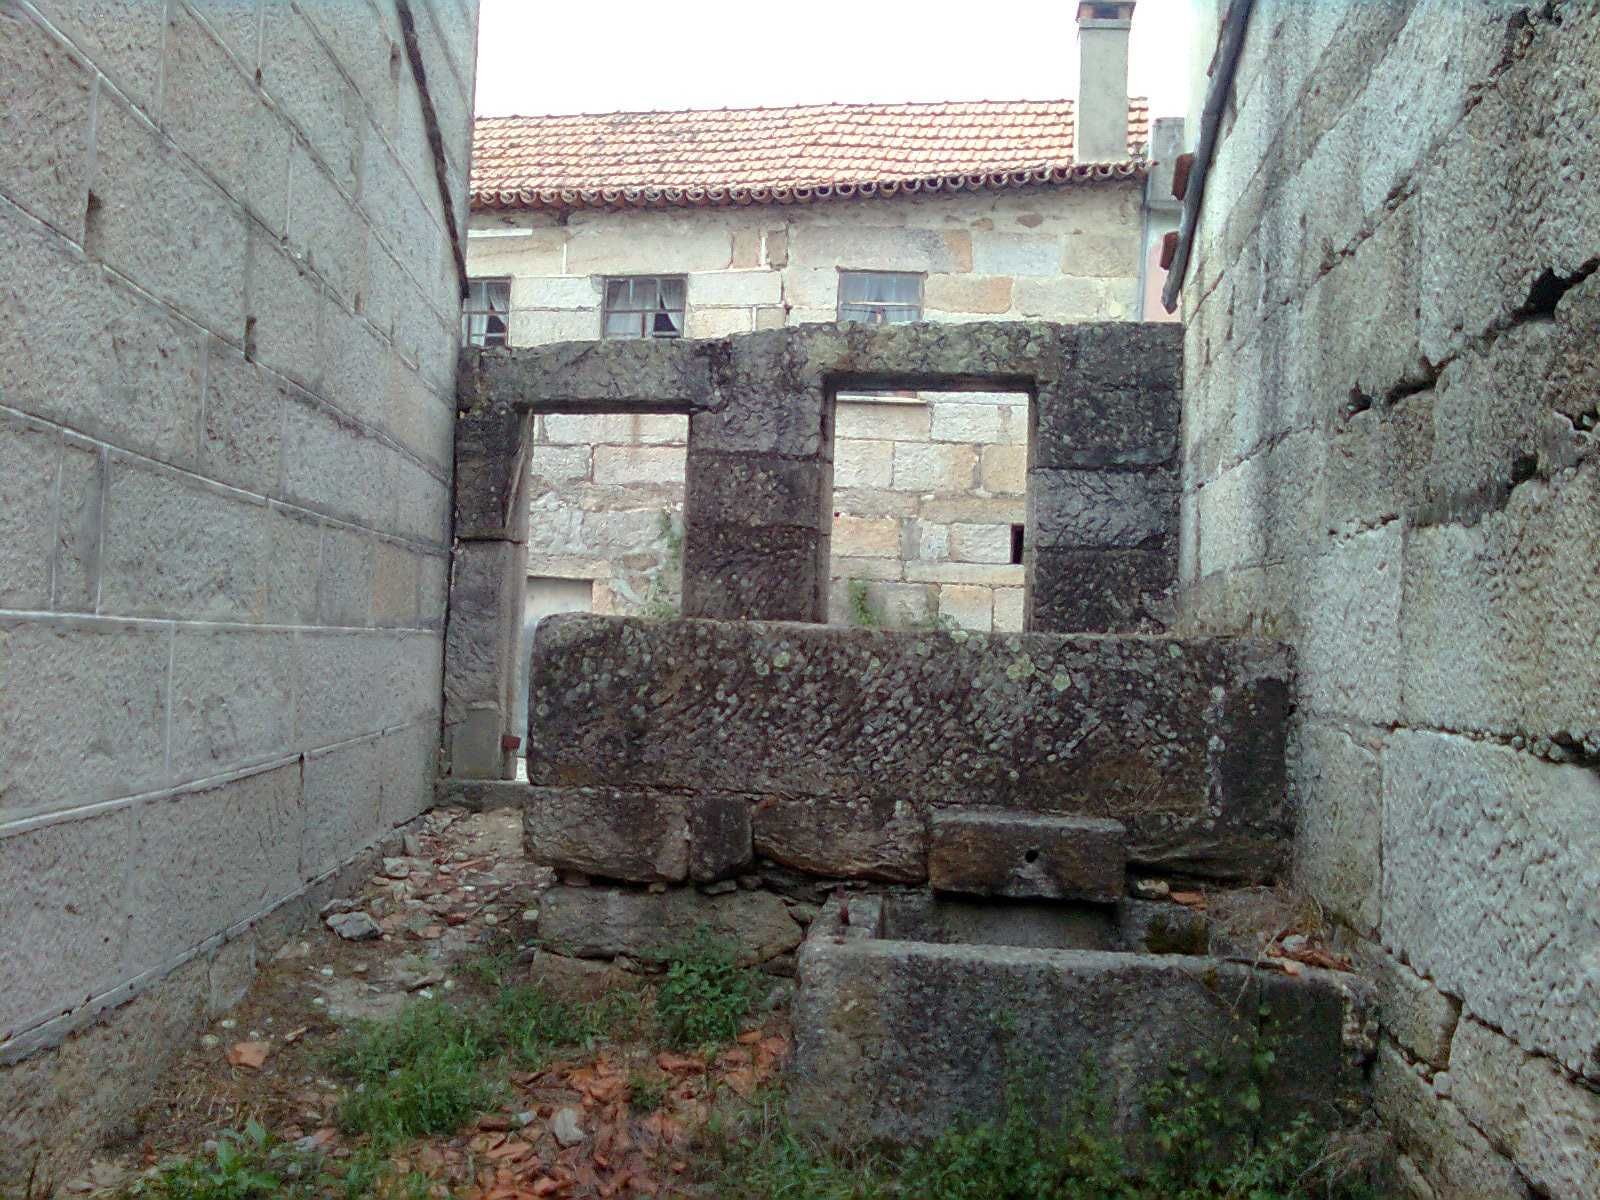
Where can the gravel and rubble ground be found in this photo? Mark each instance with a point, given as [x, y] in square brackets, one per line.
[586, 1098]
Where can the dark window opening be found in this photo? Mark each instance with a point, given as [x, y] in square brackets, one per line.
[1016, 544]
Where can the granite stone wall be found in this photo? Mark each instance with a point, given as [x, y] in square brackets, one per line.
[1390, 463]
[226, 413]
[662, 751]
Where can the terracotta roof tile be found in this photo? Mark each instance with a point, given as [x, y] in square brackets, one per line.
[783, 155]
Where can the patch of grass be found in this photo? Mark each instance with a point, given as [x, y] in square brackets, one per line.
[250, 1164]
[428, 1071]
[705, 993]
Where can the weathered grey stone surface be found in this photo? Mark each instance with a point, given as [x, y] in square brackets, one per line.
[852, 837]
[1453, 1157]
[1101, 591]
[1414, 1012]
[900, 1040]
[637, 836]
[1390, 456]
[1161, 927]
[1026, 856]
[604, 922]
[1180, 741]
[921, 916]
[759, 478]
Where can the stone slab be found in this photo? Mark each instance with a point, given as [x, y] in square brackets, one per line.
[604, 922]
[1027, 857]
[1181, 741]
[636, 836]
[846, 838]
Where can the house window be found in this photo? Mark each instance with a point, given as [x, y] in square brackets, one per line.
[880, 297]
[644, 306]
[486, 316]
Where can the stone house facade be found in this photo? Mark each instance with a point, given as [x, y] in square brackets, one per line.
[928, 488]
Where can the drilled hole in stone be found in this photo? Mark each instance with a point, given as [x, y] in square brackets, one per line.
[1031, 856]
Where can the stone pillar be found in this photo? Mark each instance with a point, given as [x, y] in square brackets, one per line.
[488, 575]
[1101, 553]
[759, 485]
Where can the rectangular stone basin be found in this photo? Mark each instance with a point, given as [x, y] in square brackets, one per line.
[897, 1040]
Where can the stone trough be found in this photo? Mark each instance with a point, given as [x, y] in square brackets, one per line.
[899, 1038]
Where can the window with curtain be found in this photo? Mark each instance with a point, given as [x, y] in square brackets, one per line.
[644, 306]
[486, 315]
[880, 297]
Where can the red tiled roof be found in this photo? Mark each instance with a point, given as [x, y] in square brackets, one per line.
[783, 155]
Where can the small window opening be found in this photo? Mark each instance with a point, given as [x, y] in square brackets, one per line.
[1016, 545]
[486, 315]
[645, 306]
[880, 297]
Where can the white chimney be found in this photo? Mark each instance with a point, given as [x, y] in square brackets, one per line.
[1103, 79]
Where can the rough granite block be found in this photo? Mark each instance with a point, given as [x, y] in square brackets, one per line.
[1010, 854]
[1181, 741]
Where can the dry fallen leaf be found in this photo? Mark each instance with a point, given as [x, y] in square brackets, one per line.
[248, 1054]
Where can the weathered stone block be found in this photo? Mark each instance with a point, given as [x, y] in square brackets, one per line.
[901, 1040]
[1182, 741]
[1489, 858]
[1013, 254]
[1008, 609]
[1100, 591]
[342, 803]
[773, 572]
[866, 537]
[850, 838]
[211, 109]
[146, 189]
[756, 490]
[84, 706]
[1100, 509]
[898, 421]
[969, 606]
[1011, 854]
[44, 94]
[603, 922]
[636, 836]
[211, 859]
[627, 465]
[1455, 1159]
[1417, 1015]
[64, 890]
[215, 723]
[790, 424]
[935, 467]
[955, 421]
[1336, 790]
[1003, 470]
[859, 463]
[967, 293]
[1543, 1120]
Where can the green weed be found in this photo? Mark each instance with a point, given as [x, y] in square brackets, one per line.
[705, 993]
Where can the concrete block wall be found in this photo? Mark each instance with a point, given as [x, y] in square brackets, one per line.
[226, 418]
[1390, 462]
[926, 487]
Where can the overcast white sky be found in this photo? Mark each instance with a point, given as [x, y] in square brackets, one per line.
[621, 55]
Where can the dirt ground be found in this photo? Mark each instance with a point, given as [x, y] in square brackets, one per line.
[456, 914]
